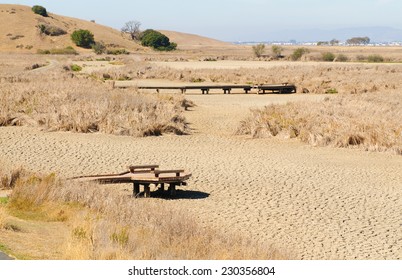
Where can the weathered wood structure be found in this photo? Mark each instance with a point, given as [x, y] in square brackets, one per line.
[144, 175]
[227, 89]
[282, 88]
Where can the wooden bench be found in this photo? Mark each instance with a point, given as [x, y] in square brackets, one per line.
[144, 175]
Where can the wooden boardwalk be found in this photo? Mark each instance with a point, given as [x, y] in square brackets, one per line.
[144, 175]
[227, 88]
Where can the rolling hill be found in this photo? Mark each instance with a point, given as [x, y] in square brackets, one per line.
[185, 40]
[19, 32]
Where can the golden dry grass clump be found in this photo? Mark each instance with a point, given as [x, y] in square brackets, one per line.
[369, 121]
[62, 101]
[3, 217]
[107, 225]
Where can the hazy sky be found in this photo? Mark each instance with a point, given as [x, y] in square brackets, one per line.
[231, 20]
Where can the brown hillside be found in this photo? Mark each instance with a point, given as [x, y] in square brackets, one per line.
[18, 31]
[185, 40]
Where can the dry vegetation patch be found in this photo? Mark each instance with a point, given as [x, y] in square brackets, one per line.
[369, 121]
[316, 77]
[62, 101]
[105, 224]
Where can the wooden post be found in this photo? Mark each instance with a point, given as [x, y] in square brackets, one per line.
[136, 189]
[147, 190]
[205, 90]
[162, 187]
[172, 189]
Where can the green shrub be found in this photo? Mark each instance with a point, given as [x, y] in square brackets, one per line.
[298, 53]
[40, 10]
[277, 51]
[67, 50]
[197, 80]
[328, 56]
[361, 58]
[331, 91]
[75, 68]
[342, 58]
[258, 50]
[117, 51]
[375, 58]
[83, 38]
[156, 40]
[51, 30]
[99, 48]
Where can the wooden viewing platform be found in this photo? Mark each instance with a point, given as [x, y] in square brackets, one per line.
[261, 89]
[282, 88]
[144, 175]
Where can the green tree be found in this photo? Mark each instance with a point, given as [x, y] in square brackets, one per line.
[83, 38]
[258, 50]
[156, 40]
[334, 42]
[358, 41]
[40, 10]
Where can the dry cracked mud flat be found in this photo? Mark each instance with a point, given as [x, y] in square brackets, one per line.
[310, 202]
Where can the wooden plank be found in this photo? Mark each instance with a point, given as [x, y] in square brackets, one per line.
[148, 168]
[176, 171]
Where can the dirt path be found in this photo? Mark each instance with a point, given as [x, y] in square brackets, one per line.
[4, 257]
[312, 203]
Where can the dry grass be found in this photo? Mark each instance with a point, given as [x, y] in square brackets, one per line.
[10, 179]
[62, 101]
[315, 77]
[107, 225]
[3, 217]
[368, 121]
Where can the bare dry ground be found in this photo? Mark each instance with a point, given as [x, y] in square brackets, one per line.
[312, 203]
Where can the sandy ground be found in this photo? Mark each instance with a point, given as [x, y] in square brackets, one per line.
[310, 202]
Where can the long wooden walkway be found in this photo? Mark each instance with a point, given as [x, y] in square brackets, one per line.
[144, 175]
[227, 88]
